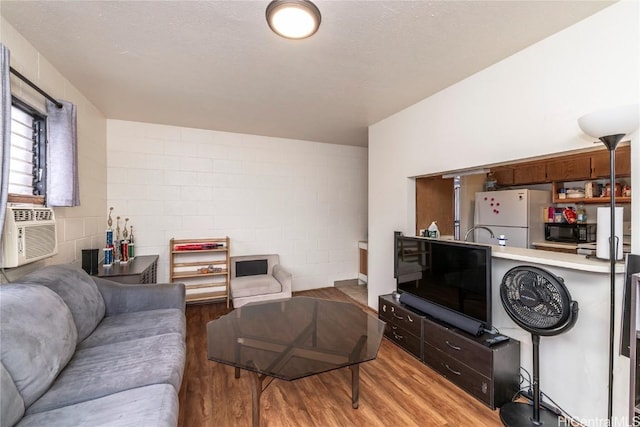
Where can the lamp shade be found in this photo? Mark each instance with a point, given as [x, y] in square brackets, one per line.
[293, 19]
[621, 120]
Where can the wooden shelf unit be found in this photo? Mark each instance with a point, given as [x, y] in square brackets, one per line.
[184, 266]
[586, 200]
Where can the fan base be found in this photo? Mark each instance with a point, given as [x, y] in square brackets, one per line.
[516, 414]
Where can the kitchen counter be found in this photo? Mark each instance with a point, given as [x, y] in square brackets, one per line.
[555, 259]
[573, 365]
[556, 247]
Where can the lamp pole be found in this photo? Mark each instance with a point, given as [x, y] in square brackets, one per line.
[611, 142]
[610, 126]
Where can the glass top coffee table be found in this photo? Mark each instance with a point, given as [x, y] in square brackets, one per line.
[292, 339]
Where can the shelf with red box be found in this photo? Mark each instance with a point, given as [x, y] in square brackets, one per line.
[203, 266]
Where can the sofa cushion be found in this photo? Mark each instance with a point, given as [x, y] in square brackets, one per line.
[154, 405]
[254, 285]
[99, 371]
[11, 403]
[78, 291]
[38, 337]
[131, 326]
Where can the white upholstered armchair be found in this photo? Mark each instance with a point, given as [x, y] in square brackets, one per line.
[257, 278]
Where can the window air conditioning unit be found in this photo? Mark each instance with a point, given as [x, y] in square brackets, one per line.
[29, 235]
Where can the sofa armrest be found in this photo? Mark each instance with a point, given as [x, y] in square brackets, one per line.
[284, 277]
[119, 298]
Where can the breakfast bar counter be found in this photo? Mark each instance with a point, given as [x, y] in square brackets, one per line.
[555, 259]
[574, 366]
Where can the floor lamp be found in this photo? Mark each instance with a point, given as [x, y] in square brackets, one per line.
[610, 126]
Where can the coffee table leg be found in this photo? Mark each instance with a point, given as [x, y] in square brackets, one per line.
[355, 385]
[237, 372]
[256, 392]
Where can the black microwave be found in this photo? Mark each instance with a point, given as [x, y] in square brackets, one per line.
[570, 233]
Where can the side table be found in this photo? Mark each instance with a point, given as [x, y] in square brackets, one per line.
[142, 269]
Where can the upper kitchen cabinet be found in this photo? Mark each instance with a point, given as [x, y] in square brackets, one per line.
[600, 162]
[572, 167]
[569, 168]
[503, 175]
[530, 173]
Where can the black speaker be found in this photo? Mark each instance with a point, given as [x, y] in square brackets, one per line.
[464, 323]
[90, 261]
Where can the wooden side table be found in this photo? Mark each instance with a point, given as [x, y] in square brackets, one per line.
[142, 269]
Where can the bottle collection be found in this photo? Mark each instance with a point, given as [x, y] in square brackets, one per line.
[570, 214]
[118, 248]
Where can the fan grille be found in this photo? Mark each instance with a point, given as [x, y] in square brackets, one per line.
[535, 299]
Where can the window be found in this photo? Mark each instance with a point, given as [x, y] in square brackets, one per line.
[27, 174]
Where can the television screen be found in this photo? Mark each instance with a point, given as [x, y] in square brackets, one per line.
[452, 274]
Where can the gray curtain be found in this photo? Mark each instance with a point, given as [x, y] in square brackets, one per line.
[63, 188]
[5, 130]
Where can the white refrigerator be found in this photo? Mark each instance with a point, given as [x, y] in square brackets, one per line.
[518, 214]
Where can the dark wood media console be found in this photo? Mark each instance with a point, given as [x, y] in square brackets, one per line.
[490, 374]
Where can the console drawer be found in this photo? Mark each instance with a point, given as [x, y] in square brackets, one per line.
[460, 374]
[403, 338]
[467, 351]
[392, 313]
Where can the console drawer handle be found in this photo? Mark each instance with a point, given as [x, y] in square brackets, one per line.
[409, 319]
[455, 347]
[396, 316]
[397, 336]
[455, 372]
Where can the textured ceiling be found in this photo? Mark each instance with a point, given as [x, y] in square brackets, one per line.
[216, 65]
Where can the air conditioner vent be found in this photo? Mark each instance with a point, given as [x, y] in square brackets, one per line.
[21, 215]
[43, 214]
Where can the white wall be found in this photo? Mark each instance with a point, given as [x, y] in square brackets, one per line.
[306, 201]
[526, 105]
[79, 227]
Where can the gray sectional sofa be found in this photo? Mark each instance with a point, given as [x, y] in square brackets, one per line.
[76, 350]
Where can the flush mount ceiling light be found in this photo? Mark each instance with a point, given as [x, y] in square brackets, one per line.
[293, 19]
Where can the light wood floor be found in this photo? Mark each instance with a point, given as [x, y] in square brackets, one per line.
[395, 389]
[353, 289]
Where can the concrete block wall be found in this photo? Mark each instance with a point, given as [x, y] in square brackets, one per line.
[306, 201]
[78, 227]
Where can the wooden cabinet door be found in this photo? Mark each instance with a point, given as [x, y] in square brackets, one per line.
[503, 175]
[529, 173]
[570, 169]
[434, 202]
[600, 163]
[623, 161]
[363, 261]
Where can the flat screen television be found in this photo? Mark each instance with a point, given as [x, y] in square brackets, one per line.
[451, 274]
